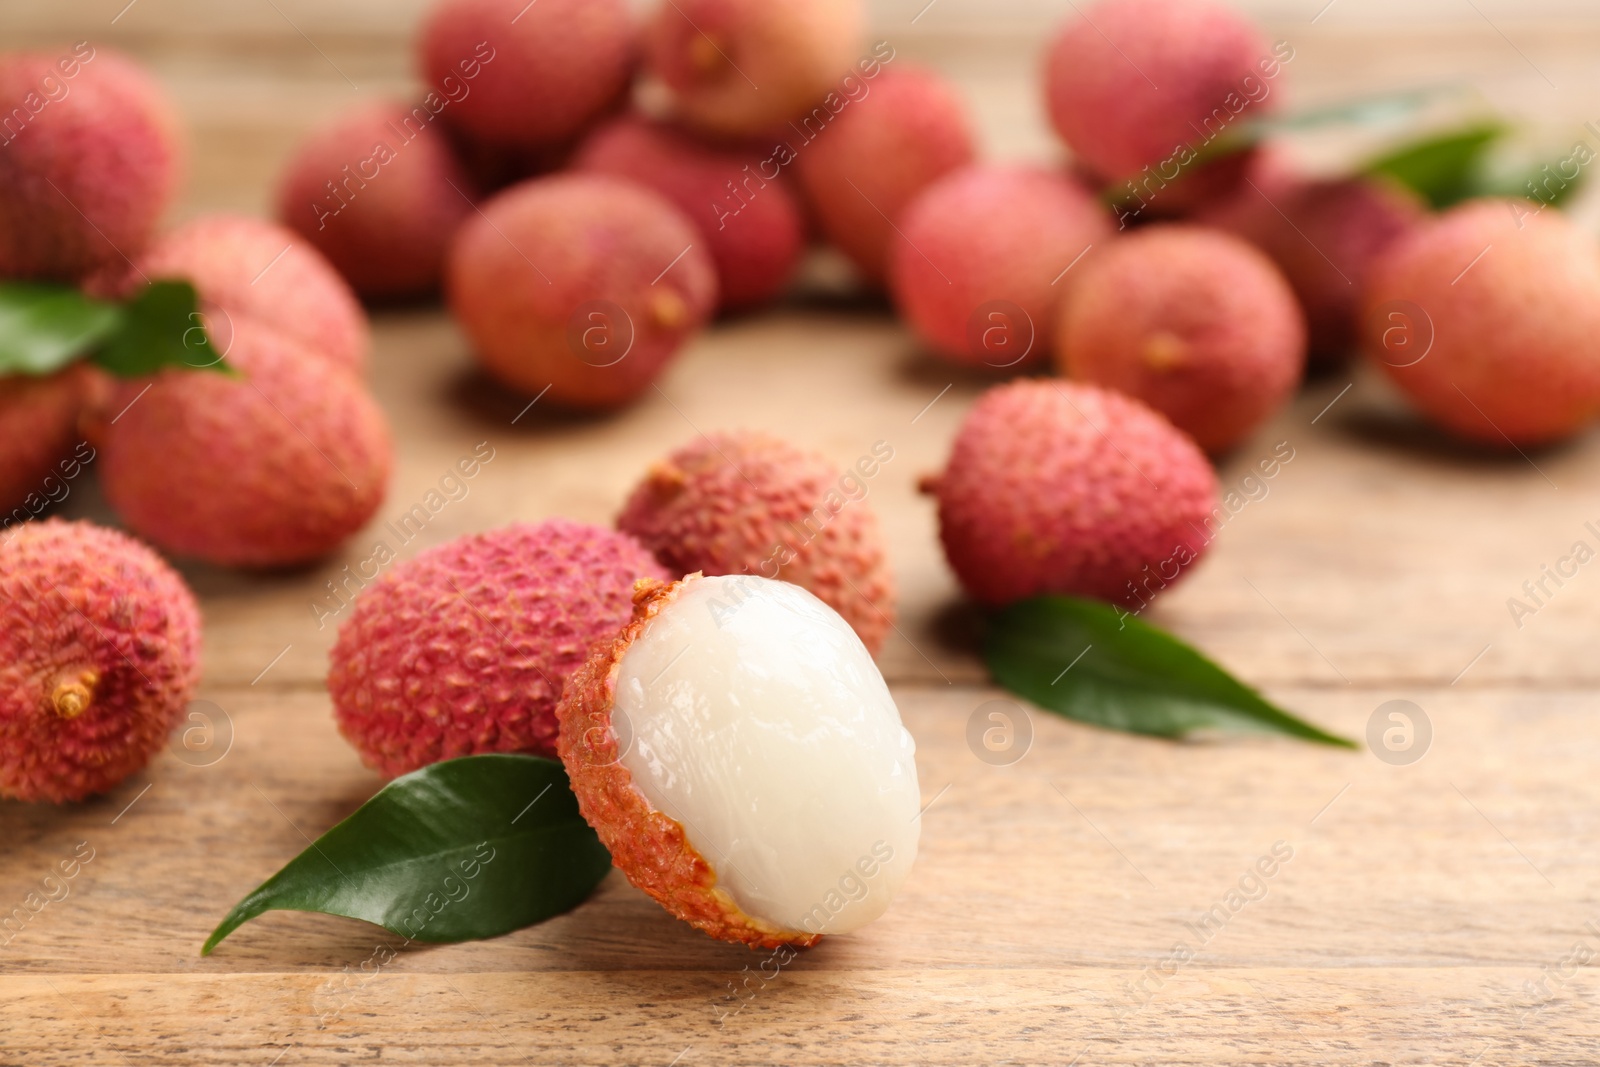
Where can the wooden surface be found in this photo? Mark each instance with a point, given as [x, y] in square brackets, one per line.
[1439, 912]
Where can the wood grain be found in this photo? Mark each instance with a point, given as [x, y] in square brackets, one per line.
[1443, 912]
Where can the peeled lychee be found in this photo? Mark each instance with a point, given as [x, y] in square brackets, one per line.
[253, 269]
[744, 67]
[750, 503]
[737, 198]
[977, 275]
[1194, 322]
[1324, 235]
[99, 655]
[38, 429]
[523, 76]
[883, 149]
[464, 648]
[582, 284]
[90, 156]
[1488, 318]
[1059, 487]
[738, 752]
[274, 468]
[380, 193]
[1150, 83]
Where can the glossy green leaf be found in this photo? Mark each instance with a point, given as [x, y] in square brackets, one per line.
[466, 849]
[161, 328]
[45, 327]
[1091, 662]
[1445, 168]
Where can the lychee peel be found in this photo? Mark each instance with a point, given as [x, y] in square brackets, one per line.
[739, 755]
[464, 648]
[38, 428]
[99, 655]
[745, 502]
[1060, 487]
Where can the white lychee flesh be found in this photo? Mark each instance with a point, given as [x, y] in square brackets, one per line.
[750, 712]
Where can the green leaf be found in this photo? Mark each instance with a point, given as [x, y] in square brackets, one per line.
[45, 327]
[1367, 111]
[161, 328]
[1444, 168]
[1091, 662]
[466, 849]
[1543, 182]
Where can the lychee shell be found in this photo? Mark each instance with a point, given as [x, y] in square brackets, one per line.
[38, 428]
[99, 655]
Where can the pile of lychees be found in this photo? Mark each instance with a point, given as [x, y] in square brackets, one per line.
[588, 191]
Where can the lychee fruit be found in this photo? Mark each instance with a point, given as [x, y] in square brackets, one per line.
[750, 503]
[1064, 488]
[90, 156]
[1132, 84]
[743, 67]
[1488, 318]
[38, 429]
[580, 284]
[985, 248]
[272, 468]
[883, 149]
[99, 655]
[253, 269]
[464, 648]
[740, 755]
[380, 193]
[1194, 322]
[525, 77]
[737, 198]
[1324, 235]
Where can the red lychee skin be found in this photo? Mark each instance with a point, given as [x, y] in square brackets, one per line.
[38, 429]
[1194, 322]
[272, 469]
[739, 68]
[464, 648]
[526, 77]
[257, 270]
[648, 846]
[751, 224]
[537, 279]
[1064, 488]
[749, 503]
[910, 130]
[1129, 83]
[1511, 296]
[1324, 235]
[984, 234]
[99, 655]
[89, 175]
[387, 222]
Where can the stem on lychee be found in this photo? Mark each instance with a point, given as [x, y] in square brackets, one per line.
[74, 695]
[668, 310]
[1165, 351]
[705, 55]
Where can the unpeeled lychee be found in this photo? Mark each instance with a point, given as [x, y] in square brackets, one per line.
[1194, 322]
[750, 503]
[38, 428]
[90, 156]
[1059, 487]
[380, 193]
[1488, 318]
[985, 248]
[744, 67]
[524, 77]
[582, 284]
[464, 648]
[272, 468]
[99, 654]
[1149, 83]
[880, 152]
[738, 752]
[253, 269]
[737, 198]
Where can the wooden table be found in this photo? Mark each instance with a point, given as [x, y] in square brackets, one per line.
[1436, 912]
